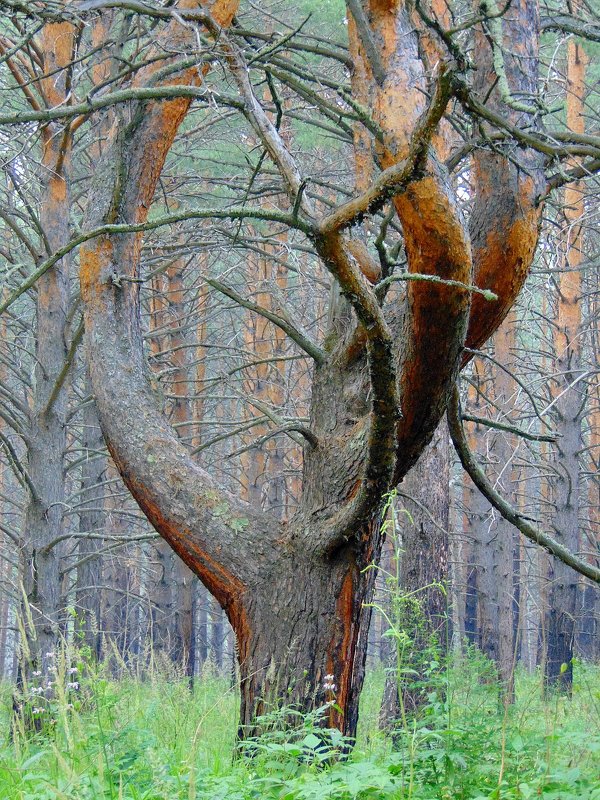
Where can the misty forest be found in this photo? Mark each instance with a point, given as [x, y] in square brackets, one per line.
[299, 400]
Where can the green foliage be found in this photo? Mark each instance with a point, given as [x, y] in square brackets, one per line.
[156, 740]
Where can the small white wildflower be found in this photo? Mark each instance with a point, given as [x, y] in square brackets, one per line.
[52, 669]
[328, 678]
[37, 673]
[73, 670]
[72, 685]
[70, 706]
[50, 655]
[37, 710]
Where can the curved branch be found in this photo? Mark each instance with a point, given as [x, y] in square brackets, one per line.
[509, 513]
[18, 469]
[395, 178]
[291, 427]
[430, 327]
[380, 457]
[416, 276]
[75, 342]
[210, 529]
[117, 97]
[367, 40]
[565, 23]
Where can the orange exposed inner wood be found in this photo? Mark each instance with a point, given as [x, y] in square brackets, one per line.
[340, 657]
[502, 266]
[221, 583]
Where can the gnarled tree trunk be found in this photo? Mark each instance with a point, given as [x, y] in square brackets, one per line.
[295, 591]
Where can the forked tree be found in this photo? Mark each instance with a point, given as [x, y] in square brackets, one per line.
[296, 591]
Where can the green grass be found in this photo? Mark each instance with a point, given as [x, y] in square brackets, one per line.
[153, 740]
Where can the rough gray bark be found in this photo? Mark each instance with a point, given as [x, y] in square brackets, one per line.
[182, 581]
[180, 578]
[119, 612]
[44, 518]
[216, 648]
[530, 605]
[587, 634]
[569, 396]
[161, 600]
[562, 596]
[202, 603]
[496, 581]
[424, 560]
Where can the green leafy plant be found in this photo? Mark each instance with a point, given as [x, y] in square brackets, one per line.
[154, 739]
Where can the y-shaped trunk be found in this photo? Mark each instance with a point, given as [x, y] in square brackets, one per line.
[294, 592]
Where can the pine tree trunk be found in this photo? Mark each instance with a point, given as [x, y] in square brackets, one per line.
[562, 611]
[295, 591]
[93, 517]
[45, 514]
[306, 620]
[502, 544]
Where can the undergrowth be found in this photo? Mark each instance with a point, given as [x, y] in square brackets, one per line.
[154, 740]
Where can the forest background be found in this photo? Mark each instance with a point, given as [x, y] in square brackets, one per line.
[234, 311]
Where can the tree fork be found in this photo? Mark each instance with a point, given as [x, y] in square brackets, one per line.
[295, 592]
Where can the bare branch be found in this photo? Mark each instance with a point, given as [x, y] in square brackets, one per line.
[499, 426]
[367, 39]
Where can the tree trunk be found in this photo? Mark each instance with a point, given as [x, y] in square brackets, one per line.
[93, 519]
[502, 533]
[562, 612]
[44, 517]
[202, 600]
[569, 403]
[308, 621]
[297, 592]
[217, 635]
[494, 546]
[181, 579]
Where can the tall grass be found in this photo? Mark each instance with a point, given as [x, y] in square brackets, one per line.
[155, 740]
